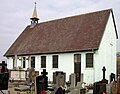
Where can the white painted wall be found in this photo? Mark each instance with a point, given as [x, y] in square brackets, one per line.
[88, 73]
[65, 64]
[106, 55]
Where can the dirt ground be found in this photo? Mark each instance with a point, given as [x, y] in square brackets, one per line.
[12, 90]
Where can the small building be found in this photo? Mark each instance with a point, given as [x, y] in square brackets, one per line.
[80, 44]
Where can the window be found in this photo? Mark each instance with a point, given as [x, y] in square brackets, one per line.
[77, 62]
[77, 58]
[55, 61]
[43, 61]
[33, 62]
[23, 62]
[89, 60]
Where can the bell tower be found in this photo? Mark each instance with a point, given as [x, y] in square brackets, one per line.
[34, 19]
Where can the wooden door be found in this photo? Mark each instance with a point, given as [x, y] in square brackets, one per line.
[77, 67]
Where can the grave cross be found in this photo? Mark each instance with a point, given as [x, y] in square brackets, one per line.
[44, 73]
[3, 66]
[104, 69]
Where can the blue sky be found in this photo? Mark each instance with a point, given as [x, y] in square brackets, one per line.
[15, 15]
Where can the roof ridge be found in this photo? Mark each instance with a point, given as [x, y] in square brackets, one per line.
[75, 16]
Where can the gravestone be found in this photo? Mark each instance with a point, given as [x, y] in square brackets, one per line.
[100, 87]
[3, 67]
[4, 77]
[60, 90]
[113, 87]
[72, 80]
[108, 88]
[59, 78]
[17, 75]
[112, 77]
[44, 73]
[77, 89]
[41, 82]
[118, 85]
[82, 75]
[30, 73]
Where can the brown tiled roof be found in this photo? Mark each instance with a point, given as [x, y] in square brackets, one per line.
[77, 33]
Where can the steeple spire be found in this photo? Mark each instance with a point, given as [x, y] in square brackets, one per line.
[34, 18]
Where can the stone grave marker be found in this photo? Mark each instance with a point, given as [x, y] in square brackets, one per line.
[30, 73]
[60, 78]
[14, 75]
[77, 89]
[4, 66]
[4, 77]
[113, 87]
[41, 82]
[17, 74]
[100, 87]
[82, 77]
[118, 85]
[79, 86]
[22, 75]
[72, 80]
[108, 88]
[112, 77]
[44, 73]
